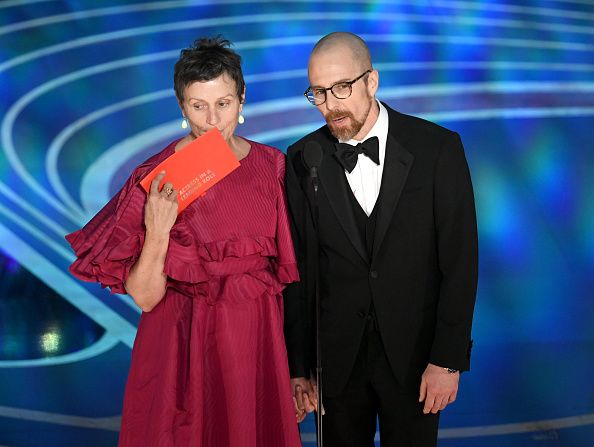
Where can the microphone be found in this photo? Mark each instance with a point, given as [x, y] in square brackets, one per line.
[312, 159]
[312, 155]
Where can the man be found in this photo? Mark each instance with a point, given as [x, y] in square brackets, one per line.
[397, 249]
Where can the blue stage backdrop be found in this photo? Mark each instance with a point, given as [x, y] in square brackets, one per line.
[86, 93]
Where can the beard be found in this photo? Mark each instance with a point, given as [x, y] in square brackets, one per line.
[345, 133]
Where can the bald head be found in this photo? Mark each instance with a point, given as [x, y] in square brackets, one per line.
[344, 43]
[341, 75]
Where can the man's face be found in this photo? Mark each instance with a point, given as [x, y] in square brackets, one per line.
[346, 118]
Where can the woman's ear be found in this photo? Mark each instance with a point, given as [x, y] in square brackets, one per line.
[184, 123]
[242, 98]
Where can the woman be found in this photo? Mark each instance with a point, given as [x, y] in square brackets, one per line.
[209, 365]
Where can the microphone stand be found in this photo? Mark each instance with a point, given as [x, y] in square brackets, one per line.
[316, 273]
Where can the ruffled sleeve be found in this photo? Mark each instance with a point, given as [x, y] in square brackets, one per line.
[110, 243]
[183, 263]
[285, 264]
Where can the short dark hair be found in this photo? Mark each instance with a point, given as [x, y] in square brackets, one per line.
[207, 59]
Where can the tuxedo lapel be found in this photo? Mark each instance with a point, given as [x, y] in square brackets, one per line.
[337, 190]
[397, 164]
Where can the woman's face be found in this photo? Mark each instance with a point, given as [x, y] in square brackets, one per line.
[211, 104]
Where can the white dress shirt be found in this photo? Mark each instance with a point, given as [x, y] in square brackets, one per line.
[366, 179]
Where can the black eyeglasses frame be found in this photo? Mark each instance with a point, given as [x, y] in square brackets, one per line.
[312, 100]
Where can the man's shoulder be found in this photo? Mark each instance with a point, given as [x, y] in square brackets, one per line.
[418, 134]
[403, 123]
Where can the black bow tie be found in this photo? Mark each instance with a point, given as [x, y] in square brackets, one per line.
[348, 155]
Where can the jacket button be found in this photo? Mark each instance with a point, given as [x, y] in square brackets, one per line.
[374, 274]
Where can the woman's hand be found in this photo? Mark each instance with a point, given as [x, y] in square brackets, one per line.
[146, 282]
[161, 207]
[305, 397]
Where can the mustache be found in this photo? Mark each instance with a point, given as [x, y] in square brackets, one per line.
[335, 114]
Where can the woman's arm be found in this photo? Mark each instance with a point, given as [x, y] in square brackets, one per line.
[146, 281]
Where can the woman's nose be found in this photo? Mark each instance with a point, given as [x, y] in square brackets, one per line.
[212, 117]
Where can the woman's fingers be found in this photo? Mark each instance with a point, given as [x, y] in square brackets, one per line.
[156, 182]
[173, 195]
[167, 189]
[162, 206]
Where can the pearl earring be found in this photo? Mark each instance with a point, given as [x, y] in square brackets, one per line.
[240, 119]
[184, 123]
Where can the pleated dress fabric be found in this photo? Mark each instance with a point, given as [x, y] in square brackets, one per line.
[209, 364]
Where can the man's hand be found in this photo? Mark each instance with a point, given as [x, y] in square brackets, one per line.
[438, 388]
[304, 397]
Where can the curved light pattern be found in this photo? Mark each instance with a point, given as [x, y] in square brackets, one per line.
[514, 80]
[31, 211]
[94, 190]
[12, 3]
[126, 9]
[58, 248]
[54, 148]
[275, 18]
[104, 344]
[104, 423]
[409, 18]
[12, 114]
[64, 284]
[39, 236]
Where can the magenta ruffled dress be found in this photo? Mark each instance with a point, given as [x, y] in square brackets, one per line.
[209, 364]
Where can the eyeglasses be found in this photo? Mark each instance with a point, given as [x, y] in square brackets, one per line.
[340, 90]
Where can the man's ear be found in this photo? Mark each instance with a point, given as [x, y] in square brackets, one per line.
[373, 82]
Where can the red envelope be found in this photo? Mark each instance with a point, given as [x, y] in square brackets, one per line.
[196, 167]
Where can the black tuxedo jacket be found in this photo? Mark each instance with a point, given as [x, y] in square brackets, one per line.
[422, 275]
